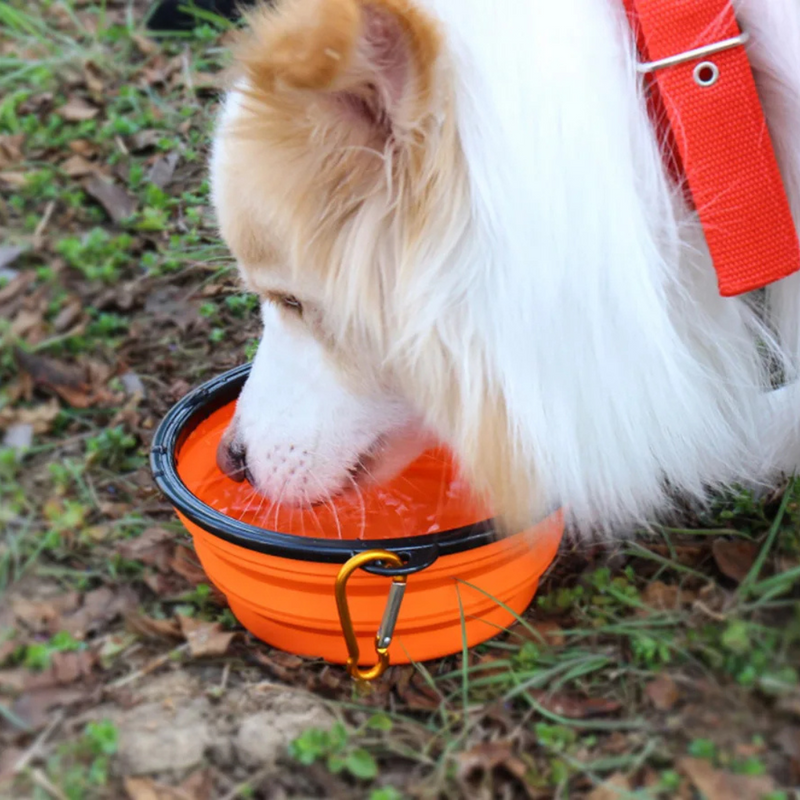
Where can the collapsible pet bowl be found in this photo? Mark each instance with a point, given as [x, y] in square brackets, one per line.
[317, 587]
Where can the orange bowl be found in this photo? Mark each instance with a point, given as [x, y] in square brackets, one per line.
[278, 567]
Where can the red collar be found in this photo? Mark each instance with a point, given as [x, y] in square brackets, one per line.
[703, 88]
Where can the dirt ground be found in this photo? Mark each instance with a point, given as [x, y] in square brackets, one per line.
[665, 667]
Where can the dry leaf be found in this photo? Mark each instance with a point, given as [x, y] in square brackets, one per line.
[547, 630]
[44, 616]
[9, 253]
[69, 381]
[718, 785]
[119, 205]
[99, 606]
[17, 286]
[205, 638]
[153, 546]
[575, 707]
[69, 314]
[185, 563]
[664, 597]
[163, 169]
[78, 110]
[734, 557]
[486, 757]
[65, 668]
[83, 147]
[11, 149]
[35, 708]
[149, 627]
[14, 179]
[617, 787]
[145, 139]
[78, 167]
[39, 417]
[19, 436]
[663, 692]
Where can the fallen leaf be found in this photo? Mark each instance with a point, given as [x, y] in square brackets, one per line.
[734, 557]
[44, 616]
[78, 167]
[141, 789]
[69, 314]
[147, 47]
[153, 546]
[35, 708]
[119, 205]
[39, 417]
[149, 627]
[11, 148]
[25, 321]
[789, 705]
[663, 692]
[205, 638]
[83, 147]
[715, 784]
[543, 630]
[163, 169]
[664, 597]
[198, 786]
[14, 179]
[143, 140]
[99, 606]
[77, 109]
[133, 385]
[69, 381]
[185, 563]
[617, 787]
[93, 78]
[486, 757]
[19, 436]
[286, 660]
[65, 668]
[575, 707]
[16, 286]
[9, 253]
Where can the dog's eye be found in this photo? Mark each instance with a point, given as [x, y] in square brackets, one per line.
[287, 301]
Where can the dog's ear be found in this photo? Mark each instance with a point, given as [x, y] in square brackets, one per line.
[360, 69]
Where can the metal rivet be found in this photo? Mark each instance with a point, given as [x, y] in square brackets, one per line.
[706, 73]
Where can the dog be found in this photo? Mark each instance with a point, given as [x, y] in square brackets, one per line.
[459, 220]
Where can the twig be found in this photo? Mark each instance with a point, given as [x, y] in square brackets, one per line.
[150, 666]
[40, 228]
[43, 782]
[225, 672]
[35, 747]
[244, 785]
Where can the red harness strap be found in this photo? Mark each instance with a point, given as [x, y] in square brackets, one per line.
[703, 87]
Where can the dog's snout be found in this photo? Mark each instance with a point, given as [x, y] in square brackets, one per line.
[232, 459]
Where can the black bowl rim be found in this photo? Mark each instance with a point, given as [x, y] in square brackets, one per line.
[417, 552]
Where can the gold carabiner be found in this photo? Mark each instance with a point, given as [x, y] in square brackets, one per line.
[385, 632]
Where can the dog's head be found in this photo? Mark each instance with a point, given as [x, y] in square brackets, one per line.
[341, 189]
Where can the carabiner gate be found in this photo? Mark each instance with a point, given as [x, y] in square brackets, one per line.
[383, 638]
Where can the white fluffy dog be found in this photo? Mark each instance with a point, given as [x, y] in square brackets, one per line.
[461, 225]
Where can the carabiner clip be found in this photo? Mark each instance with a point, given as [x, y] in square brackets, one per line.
[386, 630]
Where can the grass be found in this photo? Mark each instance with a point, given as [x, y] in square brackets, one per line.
[552, 708]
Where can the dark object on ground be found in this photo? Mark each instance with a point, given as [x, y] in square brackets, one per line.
[171, 15]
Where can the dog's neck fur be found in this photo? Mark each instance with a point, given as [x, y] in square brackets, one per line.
[625, 375]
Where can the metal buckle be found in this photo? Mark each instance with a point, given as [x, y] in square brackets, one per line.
[691, 55]
[383, 638]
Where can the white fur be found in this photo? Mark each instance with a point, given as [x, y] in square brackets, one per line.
[572, 279]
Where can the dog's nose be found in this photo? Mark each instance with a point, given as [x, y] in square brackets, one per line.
[232, 459]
